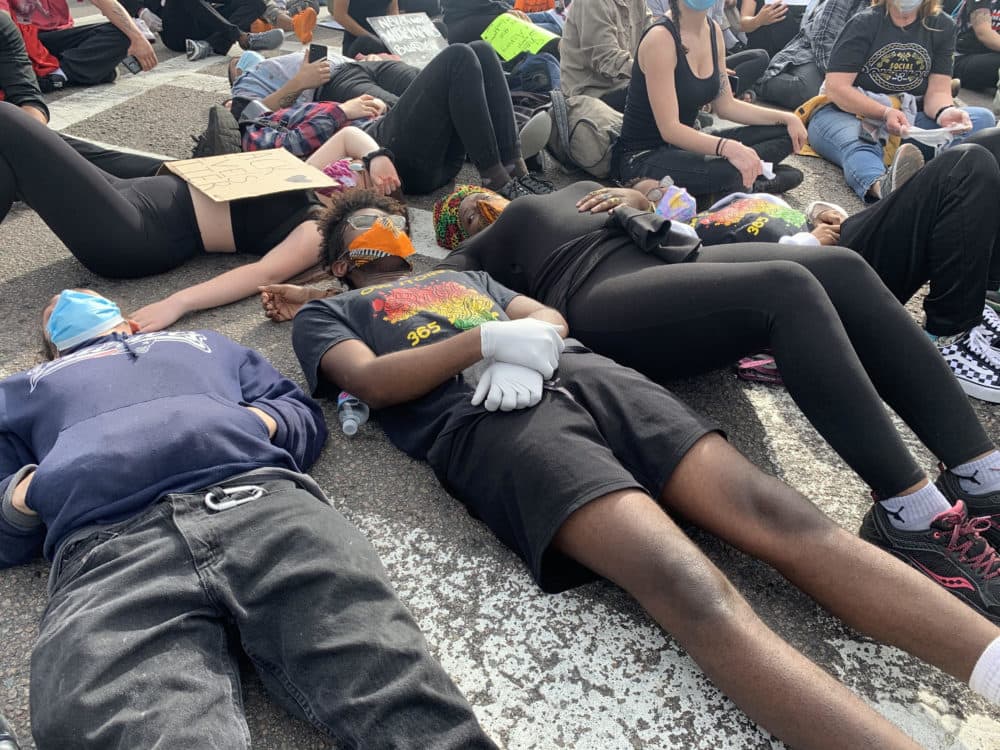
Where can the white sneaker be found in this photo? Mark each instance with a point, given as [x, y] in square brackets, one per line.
[152, 21]
[991, 324]
[197, 49]
[974, 362]
[144, 29]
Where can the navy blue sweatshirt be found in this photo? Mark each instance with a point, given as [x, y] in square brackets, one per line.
[121, 421]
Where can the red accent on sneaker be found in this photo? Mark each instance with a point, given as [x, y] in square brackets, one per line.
[948, 582]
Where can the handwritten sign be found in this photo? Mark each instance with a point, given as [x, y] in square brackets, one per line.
[247, 175]
[412, 36]
[510, 36]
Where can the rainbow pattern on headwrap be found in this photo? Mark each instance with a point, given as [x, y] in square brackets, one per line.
[447, 226]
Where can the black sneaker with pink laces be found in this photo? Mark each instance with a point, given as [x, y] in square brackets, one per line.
[952, 553]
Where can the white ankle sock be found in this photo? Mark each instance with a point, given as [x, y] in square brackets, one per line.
[914, 512]
[979, 477]
[985, 678]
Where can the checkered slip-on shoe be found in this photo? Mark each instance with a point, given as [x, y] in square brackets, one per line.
[974, 362]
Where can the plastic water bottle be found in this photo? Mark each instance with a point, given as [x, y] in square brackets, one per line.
[352, 411]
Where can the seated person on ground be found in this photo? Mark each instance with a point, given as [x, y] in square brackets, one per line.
[18, 84]
[768, 26]
[466, 20]
[744, 65]
[88, 54]
[679, 68]
[598, 41]
[796, 71]
[977, 49]
[200, 28]
[298, 17]
[359, 35]
[149, 225]
[579, 469]
[891, 67]
[457, 106]
[176, 514]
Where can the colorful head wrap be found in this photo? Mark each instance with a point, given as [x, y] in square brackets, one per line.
[447, 225]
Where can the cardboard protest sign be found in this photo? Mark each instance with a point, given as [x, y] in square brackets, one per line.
[412, 36]
[510, 36]
[248, 175]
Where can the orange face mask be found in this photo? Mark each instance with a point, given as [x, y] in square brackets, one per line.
[381, 241]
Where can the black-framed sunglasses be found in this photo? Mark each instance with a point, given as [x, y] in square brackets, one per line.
[367, 221]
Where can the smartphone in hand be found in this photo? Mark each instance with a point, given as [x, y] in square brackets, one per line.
[317, 52]
[132, 64]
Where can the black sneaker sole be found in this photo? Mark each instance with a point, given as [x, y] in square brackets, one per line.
[870, 532]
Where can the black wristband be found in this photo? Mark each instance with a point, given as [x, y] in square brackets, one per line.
[367, 158]
[946, 106]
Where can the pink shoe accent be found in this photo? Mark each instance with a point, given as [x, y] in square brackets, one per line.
[948, 582]
[966, 535]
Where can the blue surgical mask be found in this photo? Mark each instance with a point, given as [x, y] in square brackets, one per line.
[699, 4]
[79, 316]
[907, 6]
[249, 60]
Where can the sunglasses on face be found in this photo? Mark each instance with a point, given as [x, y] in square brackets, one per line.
[367, 221]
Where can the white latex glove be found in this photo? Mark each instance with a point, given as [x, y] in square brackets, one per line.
[527, 342]
[507, 387]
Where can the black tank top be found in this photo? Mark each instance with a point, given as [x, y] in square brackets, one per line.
[639, 131]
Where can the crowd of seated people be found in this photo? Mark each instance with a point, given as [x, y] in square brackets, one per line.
[517, 368]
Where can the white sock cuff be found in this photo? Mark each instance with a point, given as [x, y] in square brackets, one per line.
[989, 460]
[985, 678]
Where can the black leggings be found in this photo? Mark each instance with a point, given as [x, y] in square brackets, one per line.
[978, 71]
[841, 340]
[749, 65]
[116, 228]
[942, 226]
[458, 104]
[220, 24]
[705, 175]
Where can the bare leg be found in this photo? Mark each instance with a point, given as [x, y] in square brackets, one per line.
[627, 538]
[720, 491]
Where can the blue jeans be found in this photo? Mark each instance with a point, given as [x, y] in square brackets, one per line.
[548, 20]
[833, 134]
[137, 645]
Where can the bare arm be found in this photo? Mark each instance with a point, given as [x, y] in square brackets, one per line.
[658, 59]
[309, 76]
[402, 376]
[297, 252]
[982, 26]
[139, 47]
[341, 16]
[840, 89]
[750, 20]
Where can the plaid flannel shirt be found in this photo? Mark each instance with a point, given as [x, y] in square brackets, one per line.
[301, 128]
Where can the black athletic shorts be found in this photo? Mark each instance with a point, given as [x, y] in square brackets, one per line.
[600, 429]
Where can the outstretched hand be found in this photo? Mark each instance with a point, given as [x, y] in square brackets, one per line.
[383, 174]
[157, 316]
[282, 301]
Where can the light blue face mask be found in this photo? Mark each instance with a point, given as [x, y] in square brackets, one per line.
[79, 316]
[699, 4]
[907, 6]
[249, 60]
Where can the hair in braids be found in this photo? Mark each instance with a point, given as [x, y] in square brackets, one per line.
[675, 16]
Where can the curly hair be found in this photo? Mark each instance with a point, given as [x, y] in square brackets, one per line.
[332, 224]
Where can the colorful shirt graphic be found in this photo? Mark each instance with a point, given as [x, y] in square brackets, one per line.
[463, 307]
[754, 218]
[414, 311]
[46, 15]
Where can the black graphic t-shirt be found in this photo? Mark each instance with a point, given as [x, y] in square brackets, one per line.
[891, 60]
[411, 312]
[967, 41]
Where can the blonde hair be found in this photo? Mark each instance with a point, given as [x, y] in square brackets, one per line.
[927, 9]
